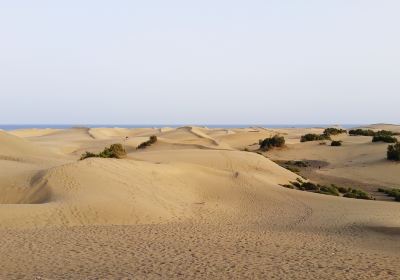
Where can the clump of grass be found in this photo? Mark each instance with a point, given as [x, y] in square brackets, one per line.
[152, 140]
[114, 151]
[336, 143]
[393, 152]
[395, 193]
[269, 143]
[314, 137]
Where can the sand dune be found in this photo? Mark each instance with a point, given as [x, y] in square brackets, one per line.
[192, 205]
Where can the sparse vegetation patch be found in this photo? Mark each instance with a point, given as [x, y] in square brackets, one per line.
[114, 151]
[328, 190]
[152, 140]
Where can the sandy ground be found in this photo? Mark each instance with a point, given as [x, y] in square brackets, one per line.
[192, 206]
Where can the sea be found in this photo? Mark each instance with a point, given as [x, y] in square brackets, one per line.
[66, 126]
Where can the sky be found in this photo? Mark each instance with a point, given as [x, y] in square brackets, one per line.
[199, 62]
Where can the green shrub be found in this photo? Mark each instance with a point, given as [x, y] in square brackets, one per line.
[384, 138]
[268, 143]
[393, 152]
[336, 143]
[334, 131]
[386, 132]
[114, 151]
[362, 132]
[152, 140]
[314, 137]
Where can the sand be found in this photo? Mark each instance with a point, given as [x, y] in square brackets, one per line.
[192, 206]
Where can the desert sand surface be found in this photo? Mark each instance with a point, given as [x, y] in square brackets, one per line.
[194, 205]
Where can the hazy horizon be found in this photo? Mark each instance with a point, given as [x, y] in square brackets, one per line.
[208, 62]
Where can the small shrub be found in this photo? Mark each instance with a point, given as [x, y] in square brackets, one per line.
[329, 190]
[152, 140]
[268, 143]
[114, 151]
[393, 152]
[384, 138]
[314, 137]
[357, 194]
[334, 131]
[336, 143]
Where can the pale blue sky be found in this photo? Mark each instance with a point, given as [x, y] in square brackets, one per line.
[204, 62]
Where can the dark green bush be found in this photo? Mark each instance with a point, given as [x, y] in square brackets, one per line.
[152, 140]
[268, 143]
[314, 137]
[362, 132]
[393, 152]
[334, 131]
[336, 143]
[114, 151]
[386, 132]
[384, 138]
